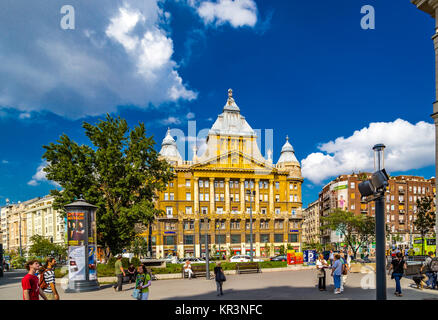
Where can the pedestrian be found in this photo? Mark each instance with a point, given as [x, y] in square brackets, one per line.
[398, 265]
[321, 264]
[30, 282]
[120, 273]
[345, 270]
[47, 280]
[188, 268]
[132, 272]
[331, 257]
[336, 273]
[219, 276]
[431, 275]
[143, 282]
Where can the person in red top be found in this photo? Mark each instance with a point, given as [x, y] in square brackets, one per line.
[30, 282]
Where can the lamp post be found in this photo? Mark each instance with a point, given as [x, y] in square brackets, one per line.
[207, 262]
[250, 193]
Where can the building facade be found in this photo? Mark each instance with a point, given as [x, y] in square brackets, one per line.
[219, 190]
[19, 222]
[311, 223]
[400, 204]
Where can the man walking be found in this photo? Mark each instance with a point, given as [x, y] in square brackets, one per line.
[49, 278]
[331, 257]
[120, 273]
[30, 282]
[427, 264]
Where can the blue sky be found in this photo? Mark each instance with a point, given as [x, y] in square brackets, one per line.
[302, 68]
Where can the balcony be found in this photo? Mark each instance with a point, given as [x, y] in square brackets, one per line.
[402, 211]
[401, 191]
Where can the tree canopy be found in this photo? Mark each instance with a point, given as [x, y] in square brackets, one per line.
[120, 173]
[425, 221]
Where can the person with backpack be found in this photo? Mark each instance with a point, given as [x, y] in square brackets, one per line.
[430, 273]
[142, 284]
[47, 280]
[345, 269]
[220, 278]
[398, 265]
[30, 282]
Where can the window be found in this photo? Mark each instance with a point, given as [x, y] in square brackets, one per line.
[206, 196]
[278, 237]
[248, 238]
[222, 197]
[263, 211]
[169, 211]
[216, 184]
[188, 183]
[264, 237]
[277, 198]
[201, 183]
[169, 240]
[246, 184]
[352, 185]
[264, 224]
[277, 185]
[236, 198]
[266, 197]
[392, 207]
[291, 198]
[235, 224]
[188, 196]
[278, 224]
[292, 237]
[353, 207]
[220, 238]
[188, 239]
[204, 210]
[217, 196]
[415, 189]
[221, 184]
[202, 239]
[188, 210]
[234, 210]
[235, 238]
[291, 186]
[248, 225]
[201, 197]
[392, 197]
[206, 183]
[277, 210]
[294, 212]
[260, 184]
[219, 210]
[166, 196]
[266, 184]
[171, 196]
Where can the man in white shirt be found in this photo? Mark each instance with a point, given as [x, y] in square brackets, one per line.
[188, 268]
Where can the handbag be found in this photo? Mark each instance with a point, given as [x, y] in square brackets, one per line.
[321, 273]
[136, 294]
[221, 277]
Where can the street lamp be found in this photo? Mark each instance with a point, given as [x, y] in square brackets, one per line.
[250, 193]
[376, 187]
[207, 262]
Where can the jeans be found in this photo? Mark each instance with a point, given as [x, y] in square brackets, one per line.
[118, 285]
[219, 287]
[431, 281]
[397, 277]
[145, 295]
[337, 281]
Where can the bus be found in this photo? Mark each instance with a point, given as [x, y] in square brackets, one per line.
[429, 245]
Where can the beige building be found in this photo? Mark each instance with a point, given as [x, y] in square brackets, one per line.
[311, 223]
[19, 222]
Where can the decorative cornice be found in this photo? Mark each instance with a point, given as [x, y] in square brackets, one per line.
[428, 6]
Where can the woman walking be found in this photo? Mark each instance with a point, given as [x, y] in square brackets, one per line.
[142, 283]
[337, 272]
[321, 264]
[398, 266]
[220, 278]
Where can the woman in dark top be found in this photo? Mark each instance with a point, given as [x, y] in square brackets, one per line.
[398, 265]
[219, 277]
[132, 273]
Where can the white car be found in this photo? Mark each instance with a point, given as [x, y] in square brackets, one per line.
[244, 258]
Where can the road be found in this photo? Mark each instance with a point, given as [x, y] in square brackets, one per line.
[282, 285]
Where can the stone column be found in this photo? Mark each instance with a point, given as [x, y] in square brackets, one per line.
[257, 196]
[242, 195]
[227, 195]
[271, 196]
[212, 210]
[196, 195]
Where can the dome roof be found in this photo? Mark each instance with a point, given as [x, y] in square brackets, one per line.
[287, 153]
[169, 148]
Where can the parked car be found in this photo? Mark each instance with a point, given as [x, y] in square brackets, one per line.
[191, 259]
[171, 259]
[281, 257]
[244, 258]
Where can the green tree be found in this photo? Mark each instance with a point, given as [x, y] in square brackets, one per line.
[356, 229]
[139, 246]
[120, 174]
[42, 247]
[425, 221]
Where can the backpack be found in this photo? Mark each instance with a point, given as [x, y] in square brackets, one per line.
[42, 283]
[433, 265]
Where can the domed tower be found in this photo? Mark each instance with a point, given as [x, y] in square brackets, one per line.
[169, 150]
[288, 160]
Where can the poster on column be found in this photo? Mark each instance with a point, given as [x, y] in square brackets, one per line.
[92, 262]
[76, 228]
[76, 258]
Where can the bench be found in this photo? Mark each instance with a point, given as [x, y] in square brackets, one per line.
[198, 271]
[246, 267]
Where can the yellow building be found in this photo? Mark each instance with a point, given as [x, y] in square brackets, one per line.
[213, 187]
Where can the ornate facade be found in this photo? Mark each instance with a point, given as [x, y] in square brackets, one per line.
[211, 195]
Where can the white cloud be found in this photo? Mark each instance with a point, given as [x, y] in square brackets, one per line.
[171, 120]
[238, 13]
[408, 147]
[40, 176]
[190, 115]
[5, 161]
[121, 56]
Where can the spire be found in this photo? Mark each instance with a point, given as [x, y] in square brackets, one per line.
[231, 104]
[168, 147]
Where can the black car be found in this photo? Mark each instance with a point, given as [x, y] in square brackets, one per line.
[281, 257]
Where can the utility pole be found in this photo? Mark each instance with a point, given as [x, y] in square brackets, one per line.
[207, 264]
[19, 228]
[250, 193]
